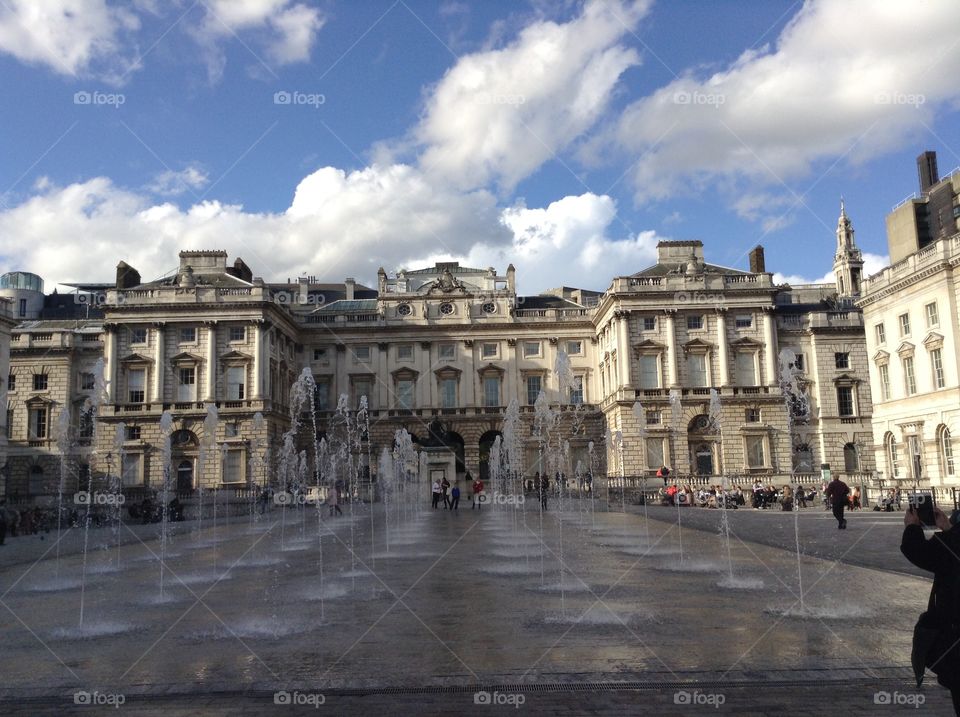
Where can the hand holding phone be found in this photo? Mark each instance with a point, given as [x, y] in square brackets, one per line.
[922, 505]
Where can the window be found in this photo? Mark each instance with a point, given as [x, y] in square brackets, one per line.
[236, 383]
[87, 381]
[491, 391]
[233, 467]
[649, 323]
[743, 321]
[138, 336]
[655, 457]
[893, 457]
[232, 429]
[755, 452]
[361, 388]
[446, 309]
[574, 348]
[534, 386]
[448, 392]
[909, 379]
[136, 380]
[653, 419]
[132, 433]
[405, 352]
[39, 382]
[23, 307]
[881, 334]
[132, 469]
[187, 384]
[576, 391]
[488, 350]
[798, 362]
[845, 401]
[238, 333]
[85, 427]
[404, 310]
[697, 369]
[447, 352]
[488, 307]
[320, 355]
[695, 322]
[649, 371]
[746, 369]
[752, 415]
[936, 362]
[841, 360]
[904, 324]
[361, 353]
[933, 315]
[946, 451]
[405, 393]
[38, 423]
[188, 335]
[531, 349]
[321, 395]
[11, 382]
[884, 371]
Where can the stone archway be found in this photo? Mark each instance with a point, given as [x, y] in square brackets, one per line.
[703, 444]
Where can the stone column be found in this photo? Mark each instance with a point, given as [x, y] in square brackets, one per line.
[110, 362]
[723, 351]
[770, 355]
[257, 388]
[160, 365]
[671, 350]
[623, 348]
[210, 391]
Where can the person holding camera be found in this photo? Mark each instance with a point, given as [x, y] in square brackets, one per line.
[937, 635]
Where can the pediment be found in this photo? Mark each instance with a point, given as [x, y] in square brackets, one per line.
[186, 357]
[404, 373]
[933, 340]
[697, 345]
[649, 346]
[490, 368]
[236, 356]
[447, 371]
[846, 379]
[136, 358]
[745, 343]
[905, 349]
[881, 357]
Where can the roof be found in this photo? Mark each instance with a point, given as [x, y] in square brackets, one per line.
[546, 302]
[680, 268]
[86, 325]
[342, 305]
[453, 266]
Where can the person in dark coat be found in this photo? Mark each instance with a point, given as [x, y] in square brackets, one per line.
[939, 555]
[3, 521]
[837, 492]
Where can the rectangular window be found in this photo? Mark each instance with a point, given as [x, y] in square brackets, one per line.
[936, 362]
[136, 381]
[531, 349]
[236, 383]
[132, 433]
[649, 323]
[695, 322]
[649, 371]
[138, 336]
[23, 307]
[361, 388]
[697, 370]
[39, 382]
[576, 391]
[448, 392]
[909, 378]
[534, 385]
[187, 384]
[933, 315]
[744, 321]
[87, 381]
[881, 334]
[654, 418]
[11, 382]
[132, 469]
[753, 415]
[491, 391]
[320, 355]
[845, 401]
[798, 362]
[746, 369]
[841, 360]
[655, 457]
[321, 395]
[447, 352]
[188, 335]
[574, 348]
[9, 425]
[884, 371]
[405, 352]
[38, 423]
[85, 428]
[755, 452]
[904, 324]
[361, 353]
[238, 333]
[405, 393]
[233, 467]
[488, 351]
[232, 429]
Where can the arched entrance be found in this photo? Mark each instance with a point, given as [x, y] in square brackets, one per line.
[703, 438]
[485, 444]
[185, 475]
[184, 446]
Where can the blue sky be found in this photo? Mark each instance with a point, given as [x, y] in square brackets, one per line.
[564, 137]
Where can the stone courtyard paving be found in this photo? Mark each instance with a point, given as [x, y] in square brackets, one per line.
[465, 608]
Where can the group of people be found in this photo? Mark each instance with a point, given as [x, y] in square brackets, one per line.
[442, 490]
[32, 521]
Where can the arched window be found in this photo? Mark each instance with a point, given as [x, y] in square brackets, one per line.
[37, 481]
[946, 450]
[890, 445]
[851, 459]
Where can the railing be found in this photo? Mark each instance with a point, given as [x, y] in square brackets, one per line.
[645, 281]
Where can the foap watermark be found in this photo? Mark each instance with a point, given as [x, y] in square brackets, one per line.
[696, 698]
[911, 99]
[494, 98]
[299, 99]
[99, 298]
[99, 99]
[899, 699]
[499, 699]
[299, 699]
[99, 699]
[96, 498]
[502, 498]
[295, 298]
[709, 99]
[698, 297]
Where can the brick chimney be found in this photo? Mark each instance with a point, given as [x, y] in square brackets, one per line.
[349, 284]
[757, 263]
[927, 170]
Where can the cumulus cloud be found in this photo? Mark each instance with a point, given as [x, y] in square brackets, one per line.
[845, 80]
[171, 183]
[498, 115]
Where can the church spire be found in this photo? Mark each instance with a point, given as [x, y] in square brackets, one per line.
[848, 260]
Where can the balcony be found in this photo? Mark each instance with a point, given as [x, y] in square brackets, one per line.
[550, 314]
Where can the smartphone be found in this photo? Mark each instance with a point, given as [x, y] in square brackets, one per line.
[921, 502]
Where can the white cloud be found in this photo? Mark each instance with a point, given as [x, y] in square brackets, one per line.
[872, 263]
[171, 183]
[845, 81]
[70, 37]
[498, 115]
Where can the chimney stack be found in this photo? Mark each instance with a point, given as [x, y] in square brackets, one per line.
[757, 263]
[127, 276]
[927, 169]
[349, 284]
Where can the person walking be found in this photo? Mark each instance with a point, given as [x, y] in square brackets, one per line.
[801, 497]
[333, 500]
[436, 494]
[937, 635]
[544, 490]
[477, 494]
[837, 493]
[455, 498]
[444, 489]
